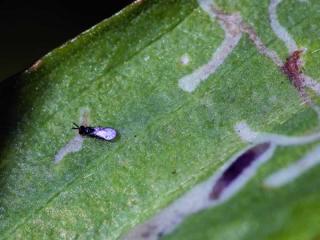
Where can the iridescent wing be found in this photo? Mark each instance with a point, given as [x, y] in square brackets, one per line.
[106, 133]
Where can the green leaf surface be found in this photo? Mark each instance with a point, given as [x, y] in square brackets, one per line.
[125, 73]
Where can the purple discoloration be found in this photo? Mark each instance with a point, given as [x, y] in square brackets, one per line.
[237, 167]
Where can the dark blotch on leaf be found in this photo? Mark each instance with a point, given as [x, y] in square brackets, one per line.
[292, 68]
[237, 167]
[148, 233]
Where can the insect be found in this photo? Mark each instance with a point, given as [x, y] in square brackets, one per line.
[104, 133]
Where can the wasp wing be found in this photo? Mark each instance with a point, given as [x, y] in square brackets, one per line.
[106, 133]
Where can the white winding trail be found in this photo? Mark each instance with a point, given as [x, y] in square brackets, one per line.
[74, 145]
[249, 135]
[290, 43]
[312, 84]
[261, 47]
[197, 199]
[286, 175]
[278, 29]
[245, 132]
[232, 36]
[233, 28]
[294, 170]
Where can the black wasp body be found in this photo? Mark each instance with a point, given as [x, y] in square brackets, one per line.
[104, 133]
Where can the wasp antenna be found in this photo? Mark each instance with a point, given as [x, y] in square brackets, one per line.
[76, 125]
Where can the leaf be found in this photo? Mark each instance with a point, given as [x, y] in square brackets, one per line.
[125, 73]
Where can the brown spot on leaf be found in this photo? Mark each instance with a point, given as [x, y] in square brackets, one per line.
[292, 68]
[35, 66]
[316, 237]
[234, 25]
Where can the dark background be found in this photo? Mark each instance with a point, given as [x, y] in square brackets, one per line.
[30, 29]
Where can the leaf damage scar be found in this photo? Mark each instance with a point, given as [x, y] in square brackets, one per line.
[278, 29]
[237, 167]
[233, 27]
[293, 65]
[220, 187]
[292, 68]
[294, 170]
[74, 145]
